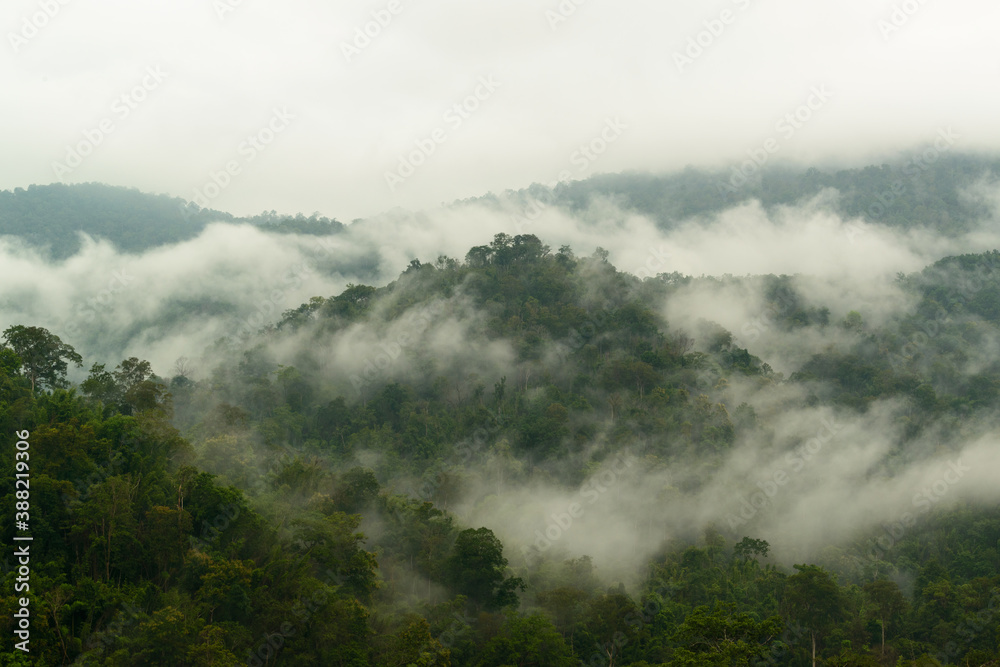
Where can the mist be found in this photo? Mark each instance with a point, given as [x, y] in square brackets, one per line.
[815, 477]
[360, 104]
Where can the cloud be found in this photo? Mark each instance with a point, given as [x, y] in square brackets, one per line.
[812, 477]
[227, 70]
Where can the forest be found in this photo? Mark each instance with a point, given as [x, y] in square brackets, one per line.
[909, 191]
[524, 457]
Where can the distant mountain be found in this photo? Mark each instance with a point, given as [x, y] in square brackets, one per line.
[922, 189]
[51, 216]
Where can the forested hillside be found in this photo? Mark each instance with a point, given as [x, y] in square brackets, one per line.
[912, 191]
[521, 457]
[50, 217]
[922, 189]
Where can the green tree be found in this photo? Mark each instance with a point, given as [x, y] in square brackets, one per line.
[331, 542]
[724, 637]
[813, 599]
[566, 605]
[888, 601]
[749, 548]
[478, 569]
[612, 621]
[356, 489]
[413, 644]
[526, 640]
[44, 357]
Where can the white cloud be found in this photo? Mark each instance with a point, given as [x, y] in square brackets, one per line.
[355, 119]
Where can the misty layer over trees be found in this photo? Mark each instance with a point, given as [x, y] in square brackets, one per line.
[530, 449]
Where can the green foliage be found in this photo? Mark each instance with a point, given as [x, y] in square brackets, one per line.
[722, 636]
[285, 515]
[478, 570]
[43, 356]
[749, 548]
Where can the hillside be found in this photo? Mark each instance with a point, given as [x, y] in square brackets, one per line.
[51, 217]
[526, 456]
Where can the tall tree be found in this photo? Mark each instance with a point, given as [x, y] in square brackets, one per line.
[814, 599]
[724, 636]
[749, 548]
[43, 355]
[888, 601]
[612, 622]
[479, 570]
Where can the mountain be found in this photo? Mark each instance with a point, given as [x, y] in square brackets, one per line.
[527, 455]
[518, 454]
[51, 218]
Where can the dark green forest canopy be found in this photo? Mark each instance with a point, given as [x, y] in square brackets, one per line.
[239, 517]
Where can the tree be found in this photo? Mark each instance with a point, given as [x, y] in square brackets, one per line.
[413, 644]
[165, 636]
[888, 601]
[183, 367]
[225, 587]
[331, 542]
[723, 636]
[108, 512]
[210, 649]
[132, 371]
[130, 388]
[853, 321]
[813, 599]
[527, 640]
[566, 605]
[478, 569]
[612, 622]
[43, 355]
[166, 535]
[101, 385]
[356, 489]
[749, 548]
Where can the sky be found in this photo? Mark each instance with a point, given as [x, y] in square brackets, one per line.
[351, 109]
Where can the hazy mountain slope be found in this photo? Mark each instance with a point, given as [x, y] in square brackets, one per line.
[52, 216]
[916, 190]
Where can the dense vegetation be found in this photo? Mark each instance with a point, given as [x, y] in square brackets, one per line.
[912, 191]
[279, 511]
[924, 189]
[50, 217]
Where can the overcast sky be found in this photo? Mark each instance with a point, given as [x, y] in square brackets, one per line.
[331, 113]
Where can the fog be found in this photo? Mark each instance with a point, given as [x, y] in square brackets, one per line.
[239, 278]
[807, 478]
[693, 84]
